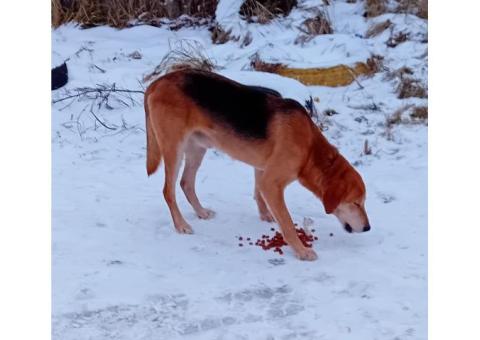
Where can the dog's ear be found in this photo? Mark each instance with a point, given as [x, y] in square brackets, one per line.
[333, 196]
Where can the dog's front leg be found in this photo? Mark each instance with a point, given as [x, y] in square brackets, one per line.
[265, 214]
[272, 188]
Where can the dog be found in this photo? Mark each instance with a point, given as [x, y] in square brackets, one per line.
[189, 111]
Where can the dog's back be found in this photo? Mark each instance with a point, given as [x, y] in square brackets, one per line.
[244, 109]
[238, 119]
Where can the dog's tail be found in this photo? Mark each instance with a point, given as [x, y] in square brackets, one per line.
[154, 154]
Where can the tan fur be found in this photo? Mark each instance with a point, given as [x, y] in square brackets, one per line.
[294, 149]
[154, 155]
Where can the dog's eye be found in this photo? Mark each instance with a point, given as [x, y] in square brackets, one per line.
[356, 204]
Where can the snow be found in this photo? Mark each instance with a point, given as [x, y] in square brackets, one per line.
[288, 88]
[121, 272]
[321, 51]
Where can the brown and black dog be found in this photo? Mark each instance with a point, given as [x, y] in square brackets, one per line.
[189, 111]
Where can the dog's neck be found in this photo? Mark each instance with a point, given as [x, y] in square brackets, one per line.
[320, 165]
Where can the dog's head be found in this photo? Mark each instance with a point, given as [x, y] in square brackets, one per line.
[344, 197]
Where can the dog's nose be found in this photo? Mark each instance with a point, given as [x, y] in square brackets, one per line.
[348, 228]
[366, 228]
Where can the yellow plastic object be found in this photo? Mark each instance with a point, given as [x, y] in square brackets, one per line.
[340, 75]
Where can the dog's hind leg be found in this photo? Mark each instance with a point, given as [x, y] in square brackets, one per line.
[173, 153]
[265, 214]
[194, 154]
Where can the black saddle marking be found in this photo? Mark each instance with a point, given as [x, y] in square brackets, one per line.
[265, 90]
[242, 108]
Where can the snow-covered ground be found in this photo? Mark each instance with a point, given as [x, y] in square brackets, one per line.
[121, 272]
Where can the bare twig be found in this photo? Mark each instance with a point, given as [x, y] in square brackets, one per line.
[83, 92]
[184, 54]
[99, 68]
[354, 76]
[99, 97]
[98, 119]
[367, 149]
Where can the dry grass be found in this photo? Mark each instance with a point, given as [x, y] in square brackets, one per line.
[419, 113]
[375, 64]
[219, 35]
[184, 54]
[416, 7]
[407, 86]
[400, 73]
[263, 11]
[407, 114]
[320, 24]
[377, 28]
[396, 117]
[410, 87]
[396, 39]
[119, 13]
[256, 12]
[317, 25]
[375, 8]
[259, 65]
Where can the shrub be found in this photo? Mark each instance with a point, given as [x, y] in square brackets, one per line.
[375, 8]
[262, 11]
[119, 13]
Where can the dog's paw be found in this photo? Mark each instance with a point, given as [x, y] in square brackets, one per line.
[205, 214]
[306, 254]
[267, 217]
[184, 229]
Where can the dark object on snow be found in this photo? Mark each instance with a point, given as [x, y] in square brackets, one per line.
[265, 90]
[311, 108]
[397, 39]
[330, 112]
[59, 76]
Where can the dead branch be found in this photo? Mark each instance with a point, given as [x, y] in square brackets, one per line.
[101, 92]
[100, 97]
[98, 119]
